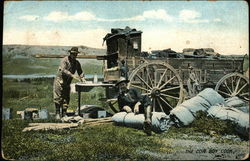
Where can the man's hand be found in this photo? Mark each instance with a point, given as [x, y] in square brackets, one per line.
[136, 109]
[127, 109]
[76, 78]
[82, 78]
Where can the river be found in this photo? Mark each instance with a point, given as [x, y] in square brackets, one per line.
[35, 76]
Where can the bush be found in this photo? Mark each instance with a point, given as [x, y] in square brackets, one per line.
[207, 124]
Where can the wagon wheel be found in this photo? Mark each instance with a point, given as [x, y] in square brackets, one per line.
[160, 82]
[233, 84]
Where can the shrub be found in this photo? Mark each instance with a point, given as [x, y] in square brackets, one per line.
[208, 124]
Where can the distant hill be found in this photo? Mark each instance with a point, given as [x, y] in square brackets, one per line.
[27, 50]
[17, 59]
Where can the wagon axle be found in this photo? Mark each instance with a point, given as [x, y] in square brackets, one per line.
[155, 92]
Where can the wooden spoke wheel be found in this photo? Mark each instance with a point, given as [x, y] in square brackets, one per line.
[233, 84]
[160, 82]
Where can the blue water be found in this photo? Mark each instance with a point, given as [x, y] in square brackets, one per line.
[33, 76]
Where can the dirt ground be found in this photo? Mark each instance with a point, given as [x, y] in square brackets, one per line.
[184, 149]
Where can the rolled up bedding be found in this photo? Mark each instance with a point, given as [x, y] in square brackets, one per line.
[240, 118]
[160, 121]
[186, 112]
[237, 103]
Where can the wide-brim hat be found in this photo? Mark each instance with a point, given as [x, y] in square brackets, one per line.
[74, 50]
[121, 81]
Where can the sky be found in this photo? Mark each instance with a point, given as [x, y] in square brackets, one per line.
[221, 25]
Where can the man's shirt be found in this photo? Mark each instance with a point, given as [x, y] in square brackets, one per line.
[68, 67]
[131, 97]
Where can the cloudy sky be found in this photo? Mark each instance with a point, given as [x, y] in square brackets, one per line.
[220, 25]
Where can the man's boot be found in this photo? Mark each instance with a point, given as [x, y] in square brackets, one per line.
[57, 117]
[64, 109]
[147, 123]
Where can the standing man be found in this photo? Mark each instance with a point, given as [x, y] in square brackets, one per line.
[61, 88]
[124, 69]
[193, 83]
[130, 100]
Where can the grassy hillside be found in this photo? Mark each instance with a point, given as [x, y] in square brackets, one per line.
[17, 59]
[26, 50]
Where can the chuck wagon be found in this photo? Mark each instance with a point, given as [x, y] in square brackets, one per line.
[163, 74]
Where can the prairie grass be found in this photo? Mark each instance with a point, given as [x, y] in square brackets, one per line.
[39, 94]
[91, 143]
[102, 142]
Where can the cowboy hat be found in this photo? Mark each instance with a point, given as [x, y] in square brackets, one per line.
[73, 50]
[122, 79]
